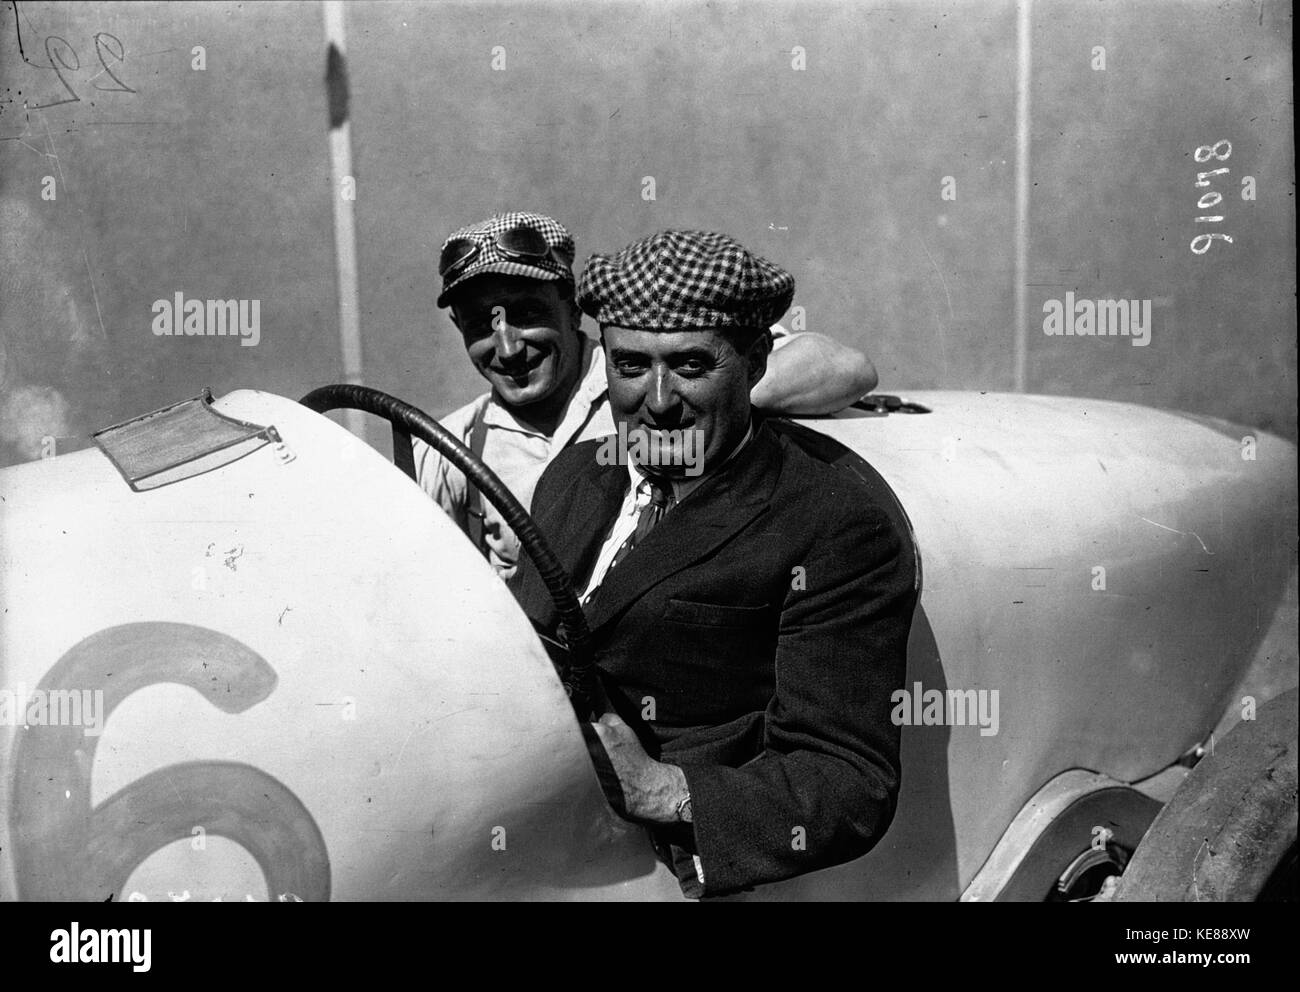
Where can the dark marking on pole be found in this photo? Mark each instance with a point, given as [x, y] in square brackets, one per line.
[336, 85]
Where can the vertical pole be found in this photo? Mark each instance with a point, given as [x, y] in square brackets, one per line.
[345, 232]
[1022, 192]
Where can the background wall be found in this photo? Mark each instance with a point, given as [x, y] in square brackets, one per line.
[215, 183]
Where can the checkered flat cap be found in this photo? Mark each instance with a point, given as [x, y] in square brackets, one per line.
[492, 239]
[684, 280]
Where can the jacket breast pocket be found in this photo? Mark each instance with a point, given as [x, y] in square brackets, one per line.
[711, 664]
[713, 615]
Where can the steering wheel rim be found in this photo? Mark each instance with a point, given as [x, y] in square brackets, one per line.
[579, 675]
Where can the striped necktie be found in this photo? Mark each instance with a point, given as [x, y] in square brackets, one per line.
[661, 499]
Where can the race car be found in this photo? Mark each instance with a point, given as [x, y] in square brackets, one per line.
[244, 657]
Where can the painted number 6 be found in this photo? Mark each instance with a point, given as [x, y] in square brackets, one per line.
[66, 850]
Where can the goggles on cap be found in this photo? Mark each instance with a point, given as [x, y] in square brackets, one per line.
[520, 243]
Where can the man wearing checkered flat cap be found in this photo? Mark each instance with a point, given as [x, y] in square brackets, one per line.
[768, 698]
[508, 283]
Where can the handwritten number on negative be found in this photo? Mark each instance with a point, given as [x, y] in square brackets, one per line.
[106, 45]
[49, 54]
[119, 55]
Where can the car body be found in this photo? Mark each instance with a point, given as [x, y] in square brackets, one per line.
[314, 687]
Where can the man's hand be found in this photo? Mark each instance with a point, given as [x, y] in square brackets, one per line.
[651, 789]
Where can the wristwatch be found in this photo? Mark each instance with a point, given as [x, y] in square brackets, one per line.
[684, 809]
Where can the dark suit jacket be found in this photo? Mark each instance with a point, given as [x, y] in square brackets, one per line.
[767, 617]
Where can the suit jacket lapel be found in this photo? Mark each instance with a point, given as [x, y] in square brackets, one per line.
[720, 508]
[596, 501]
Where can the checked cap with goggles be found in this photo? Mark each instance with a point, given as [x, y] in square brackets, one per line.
[514, 244]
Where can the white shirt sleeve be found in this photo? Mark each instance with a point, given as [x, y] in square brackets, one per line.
[445, 484]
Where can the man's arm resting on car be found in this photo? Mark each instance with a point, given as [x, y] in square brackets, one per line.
[813, 374]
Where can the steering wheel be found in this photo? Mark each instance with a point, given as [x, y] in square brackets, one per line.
[577, 670]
